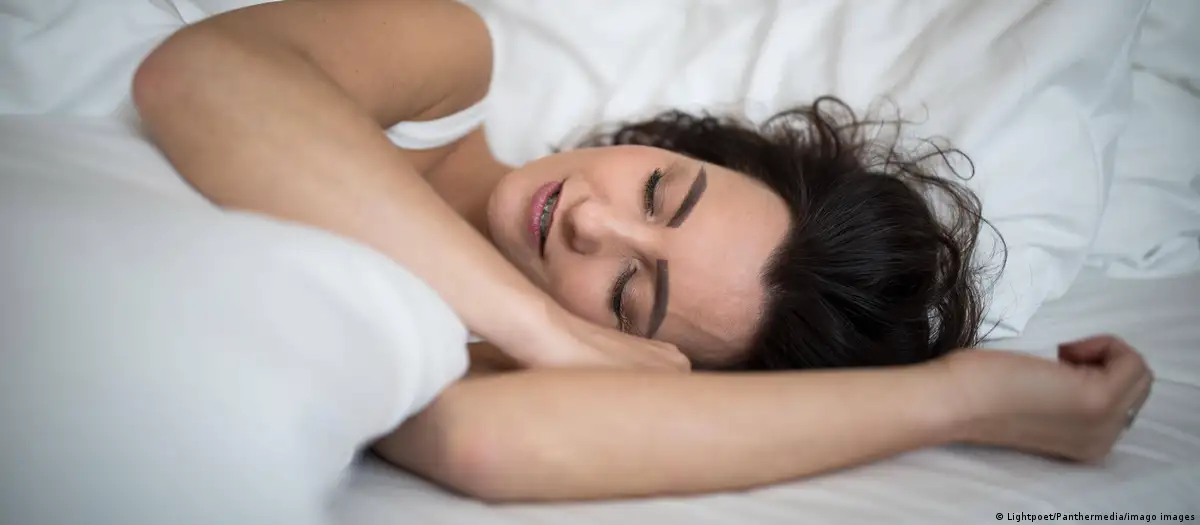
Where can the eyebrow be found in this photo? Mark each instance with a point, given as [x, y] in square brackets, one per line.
[658, 312]
[689, 200]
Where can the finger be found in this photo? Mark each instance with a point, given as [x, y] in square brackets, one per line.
[672, 365]
[1125, 367]
[1093, 350]
[670, 354]
[659, 357]
[1137, 398]
[685, 365]
[679, 360]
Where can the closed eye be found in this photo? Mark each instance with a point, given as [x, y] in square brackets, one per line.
[619, 299]
[651, 191]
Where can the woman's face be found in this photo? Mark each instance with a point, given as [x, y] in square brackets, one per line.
[645, 240]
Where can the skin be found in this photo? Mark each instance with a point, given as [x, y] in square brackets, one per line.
[601, 227]
[278, 109]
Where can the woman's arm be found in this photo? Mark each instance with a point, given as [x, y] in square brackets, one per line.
[279, 108]
[551, 435]
[555, 435]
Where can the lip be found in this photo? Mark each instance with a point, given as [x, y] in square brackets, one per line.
[536, 205]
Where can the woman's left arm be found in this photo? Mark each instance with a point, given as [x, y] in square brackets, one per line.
[545, 435]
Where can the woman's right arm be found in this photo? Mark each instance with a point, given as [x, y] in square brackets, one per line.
[568, 435]
[279, 108]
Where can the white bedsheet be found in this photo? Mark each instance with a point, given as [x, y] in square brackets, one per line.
[1035, 92]
[1155, 467]
[1152, 221]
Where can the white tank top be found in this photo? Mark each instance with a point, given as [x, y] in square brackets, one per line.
[431, 134]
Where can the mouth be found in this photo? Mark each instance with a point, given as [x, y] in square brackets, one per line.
[541, 214]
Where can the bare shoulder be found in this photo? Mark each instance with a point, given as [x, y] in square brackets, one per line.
[403, 60]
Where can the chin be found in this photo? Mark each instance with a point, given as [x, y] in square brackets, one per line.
[506, 214]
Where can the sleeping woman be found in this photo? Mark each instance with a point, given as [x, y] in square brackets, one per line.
[797, 266]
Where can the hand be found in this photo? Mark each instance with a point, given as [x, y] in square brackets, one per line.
[565, 340]
[1075, 408]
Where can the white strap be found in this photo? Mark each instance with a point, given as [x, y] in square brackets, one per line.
[431, 134]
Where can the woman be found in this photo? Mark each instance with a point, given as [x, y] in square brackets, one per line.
[684, 241]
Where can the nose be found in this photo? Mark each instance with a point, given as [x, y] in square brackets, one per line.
[596, 228]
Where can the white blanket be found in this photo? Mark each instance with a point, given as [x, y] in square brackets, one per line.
[163, 361]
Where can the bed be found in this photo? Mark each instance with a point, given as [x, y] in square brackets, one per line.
[1083, 124]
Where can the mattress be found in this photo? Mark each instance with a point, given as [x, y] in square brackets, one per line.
[1155, 468]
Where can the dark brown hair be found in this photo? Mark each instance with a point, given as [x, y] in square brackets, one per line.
[877, 266]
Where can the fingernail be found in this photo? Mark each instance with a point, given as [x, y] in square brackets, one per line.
[1075, 341]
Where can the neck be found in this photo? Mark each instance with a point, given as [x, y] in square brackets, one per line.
[467, 187]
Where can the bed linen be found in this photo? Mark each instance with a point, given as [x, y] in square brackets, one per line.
[1147, 231]
[996, 78]
[1034, 92]
[1155, 468]
[164, 361]
[84, 62]
[1151, 224]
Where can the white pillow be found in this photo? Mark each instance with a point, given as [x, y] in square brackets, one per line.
[1151, 225]
[1035, 92]
[167, 362]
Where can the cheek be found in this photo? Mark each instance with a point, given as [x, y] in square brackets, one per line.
[583, 289]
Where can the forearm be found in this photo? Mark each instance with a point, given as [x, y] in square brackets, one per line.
[254, 124]
[552, 435]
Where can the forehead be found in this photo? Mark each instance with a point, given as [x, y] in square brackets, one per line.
[716, 260]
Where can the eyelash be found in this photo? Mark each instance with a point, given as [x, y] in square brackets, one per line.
[650, 192]
[618, 292]
[618, 298]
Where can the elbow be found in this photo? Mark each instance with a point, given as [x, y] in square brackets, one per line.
[153, 77]
[455, 447]
[171, 73]
[476, 467]
[493, 468]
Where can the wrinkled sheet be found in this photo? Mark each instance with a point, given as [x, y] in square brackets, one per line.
[1036, 93]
